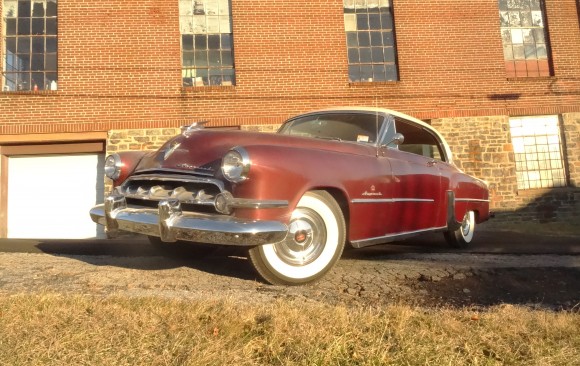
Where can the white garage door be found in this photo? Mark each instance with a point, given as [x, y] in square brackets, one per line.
[50, 196]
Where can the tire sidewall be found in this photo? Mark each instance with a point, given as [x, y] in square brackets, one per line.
[328, 210]
[469, 237]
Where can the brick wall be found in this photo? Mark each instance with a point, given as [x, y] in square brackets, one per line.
[119, 66]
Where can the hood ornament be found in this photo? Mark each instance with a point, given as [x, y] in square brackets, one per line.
[186, 131]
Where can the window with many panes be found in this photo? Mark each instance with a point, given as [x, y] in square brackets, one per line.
[29, 32]
[538, 152]
[206, 42]
[524, 37]
[370, 39]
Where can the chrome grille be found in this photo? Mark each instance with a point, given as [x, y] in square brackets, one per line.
[188, 190]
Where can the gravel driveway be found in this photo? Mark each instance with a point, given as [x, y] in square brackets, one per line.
[365, 277]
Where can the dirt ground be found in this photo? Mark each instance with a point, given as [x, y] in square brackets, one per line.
[365, 277]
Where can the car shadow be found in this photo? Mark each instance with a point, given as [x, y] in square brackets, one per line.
[140, 255]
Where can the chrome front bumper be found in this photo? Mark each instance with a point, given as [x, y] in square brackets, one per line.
[170, 223]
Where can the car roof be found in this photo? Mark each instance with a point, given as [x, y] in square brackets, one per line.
[394, 113]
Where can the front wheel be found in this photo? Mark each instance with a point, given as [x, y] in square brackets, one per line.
[462, 236]
[315, 241]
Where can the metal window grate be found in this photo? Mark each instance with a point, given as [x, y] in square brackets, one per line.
[538, 152]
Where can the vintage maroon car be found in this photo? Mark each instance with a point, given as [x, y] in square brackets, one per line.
[360, 176]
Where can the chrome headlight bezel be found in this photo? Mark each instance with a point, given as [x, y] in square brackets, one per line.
[236, 165]
[113, 166]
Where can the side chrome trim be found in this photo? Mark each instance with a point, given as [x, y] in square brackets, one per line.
[372, 200]
[249, 203]
[390, 200]
[393, 237]
[471, 200]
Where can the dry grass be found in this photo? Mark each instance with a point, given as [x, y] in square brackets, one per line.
[55, 329]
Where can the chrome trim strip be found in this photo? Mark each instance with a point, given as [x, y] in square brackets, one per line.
[390, 200]
[470, 200]
[249, 203]
[372, 200]
[393, 237]
[170, 223]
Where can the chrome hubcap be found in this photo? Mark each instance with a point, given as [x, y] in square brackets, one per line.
[305, 240]
[466, 225]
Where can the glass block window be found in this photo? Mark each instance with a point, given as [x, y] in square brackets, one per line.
[524, 38]
[29, 34]
[206, 42]
[538, 152]
[370, 40]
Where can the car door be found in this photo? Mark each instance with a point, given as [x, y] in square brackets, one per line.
[417, 197]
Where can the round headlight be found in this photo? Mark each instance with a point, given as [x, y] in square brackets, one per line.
[113, 166]
[236, 165]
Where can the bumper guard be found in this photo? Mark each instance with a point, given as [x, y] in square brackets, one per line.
[170, 223]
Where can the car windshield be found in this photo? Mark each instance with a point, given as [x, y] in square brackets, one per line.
[354, 127]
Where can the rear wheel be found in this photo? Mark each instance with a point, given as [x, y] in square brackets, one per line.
[314, 243]
[462, 237]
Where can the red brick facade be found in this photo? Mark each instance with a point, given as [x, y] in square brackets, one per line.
[119, 67]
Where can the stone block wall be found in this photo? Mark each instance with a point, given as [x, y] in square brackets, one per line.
[482, 147]
[571, 122]
[139, 139]
[136, 140]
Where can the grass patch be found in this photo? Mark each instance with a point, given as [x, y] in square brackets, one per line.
[53, 329]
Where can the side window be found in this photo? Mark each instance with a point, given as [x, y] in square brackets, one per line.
[418, 140]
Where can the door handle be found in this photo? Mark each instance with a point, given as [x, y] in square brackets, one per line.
[432, 163]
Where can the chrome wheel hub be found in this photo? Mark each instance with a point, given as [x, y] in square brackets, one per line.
[466, 225]
[305, 240]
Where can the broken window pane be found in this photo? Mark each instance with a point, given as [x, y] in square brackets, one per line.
[522, 27]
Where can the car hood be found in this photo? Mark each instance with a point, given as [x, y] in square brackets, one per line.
[202, 151]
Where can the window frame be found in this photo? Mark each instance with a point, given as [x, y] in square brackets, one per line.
[380, 54]
[526, 67]
[204, 45]
[29, 71]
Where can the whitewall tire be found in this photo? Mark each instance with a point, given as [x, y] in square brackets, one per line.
[314, 243]
[462, 236]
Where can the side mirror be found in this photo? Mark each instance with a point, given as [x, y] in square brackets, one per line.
[398, 139]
